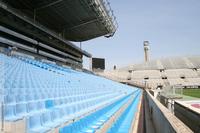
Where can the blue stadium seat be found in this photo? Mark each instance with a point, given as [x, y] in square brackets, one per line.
[35, 125]
[41, 106]
[21, 109]
[57, 117]
[9, 113]
[32, 107]
[20, 98]
[8, 99]
[49, 104]
[47, 120]
[29, 97]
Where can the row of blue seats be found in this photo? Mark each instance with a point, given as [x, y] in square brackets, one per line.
[23, 81]
[124, 122]
[39, 82]
[37, 63]
[42, 82]
[18, 111]
[46, 64]
[11, 98]
[14, 112]
[66, 90]
[38, 124]
[18, 67]
[43, 65]
[95, 120]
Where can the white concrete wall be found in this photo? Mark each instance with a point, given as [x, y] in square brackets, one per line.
[163, 120]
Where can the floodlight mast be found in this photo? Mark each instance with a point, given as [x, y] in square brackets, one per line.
[146, 51]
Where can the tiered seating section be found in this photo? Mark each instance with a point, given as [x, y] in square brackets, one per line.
[155, 78]
[44, 97]
[146, 73]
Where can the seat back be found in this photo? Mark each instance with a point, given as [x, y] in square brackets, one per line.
[21, 108]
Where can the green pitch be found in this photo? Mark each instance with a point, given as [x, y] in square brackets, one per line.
[192, 92]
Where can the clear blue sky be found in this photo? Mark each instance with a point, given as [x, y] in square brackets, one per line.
[171, 26]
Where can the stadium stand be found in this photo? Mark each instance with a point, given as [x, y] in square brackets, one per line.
[147, 73]
[159, 73]
[43, 87]
[44, 97]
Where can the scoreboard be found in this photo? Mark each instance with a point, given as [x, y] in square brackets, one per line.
[98, 63]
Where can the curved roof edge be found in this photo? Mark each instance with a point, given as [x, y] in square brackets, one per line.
[188, 62]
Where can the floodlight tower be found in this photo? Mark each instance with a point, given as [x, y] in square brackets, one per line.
[146, 51]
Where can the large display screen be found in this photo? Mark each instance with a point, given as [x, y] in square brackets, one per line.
[98, 63]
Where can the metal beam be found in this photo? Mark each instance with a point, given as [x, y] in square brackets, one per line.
[88, 22]
[48, 5]
[10, 11]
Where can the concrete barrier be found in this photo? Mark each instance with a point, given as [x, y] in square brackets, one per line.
[188, 114]
[163, 120]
